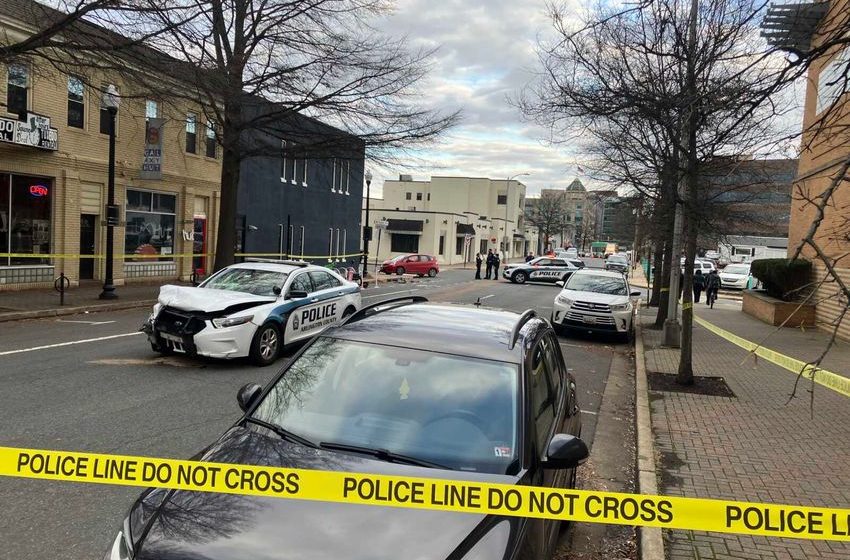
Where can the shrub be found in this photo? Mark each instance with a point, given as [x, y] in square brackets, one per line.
[782, 277]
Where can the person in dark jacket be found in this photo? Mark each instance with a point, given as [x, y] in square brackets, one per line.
[712, 286]
[489, 264]
[529, 257]
[495, 266]
[699, 284]
[478, 261]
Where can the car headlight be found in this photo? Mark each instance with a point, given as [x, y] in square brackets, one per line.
[621, 306]
[222, 322]
[562, 299]
[122, 547]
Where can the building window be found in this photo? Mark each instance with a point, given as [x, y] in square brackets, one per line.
[330, 242]
[210, 140]
[76, 106]
[302, 241]
[347, 177]
[104, 114]
[459, 245]
[17, 88]
[337, 243]
[419, 196]
[151, 109]
[283, 161]
[150, 220]
[404, 243]
[24, 218]
[333, 179]
[502, 199]
[442, 250]
[294, 179]
[191, 133]
[341, 176]
[304, 167]
[408, 196]
[429, 197]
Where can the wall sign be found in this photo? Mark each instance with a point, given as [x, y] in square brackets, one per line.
[35, 132]
[152, 163]
[39, 190]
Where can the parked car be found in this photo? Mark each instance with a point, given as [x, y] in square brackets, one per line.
[737, 277]
[595, 301]
[252, 309]
[404, 388]
[617, 263]
[421, 265]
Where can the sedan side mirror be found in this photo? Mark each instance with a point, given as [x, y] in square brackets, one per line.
[247, 395]
[635, 294]
[565, 452]
[560, 283]
[297, 294]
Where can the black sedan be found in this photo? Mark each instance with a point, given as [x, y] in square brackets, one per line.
[542, 269]
[405, 388]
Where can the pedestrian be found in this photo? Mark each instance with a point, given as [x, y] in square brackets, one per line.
[712, 286]
[489, 264]
[495, 266]
[699, 285]
[529, 257]
[478, 261]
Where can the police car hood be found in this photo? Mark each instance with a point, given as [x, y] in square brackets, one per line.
[209, 526]
[206, 299]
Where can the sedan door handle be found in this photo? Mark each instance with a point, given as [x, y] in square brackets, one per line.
[314, 300]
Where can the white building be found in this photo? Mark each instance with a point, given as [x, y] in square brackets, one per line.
[451, 218]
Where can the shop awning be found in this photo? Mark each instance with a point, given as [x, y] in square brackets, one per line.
[405, 226]
[463, 229]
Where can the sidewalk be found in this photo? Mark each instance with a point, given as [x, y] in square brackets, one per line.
[30, 304]
[754, 446]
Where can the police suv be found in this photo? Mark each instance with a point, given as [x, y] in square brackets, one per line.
[542, 269]
[251, 309]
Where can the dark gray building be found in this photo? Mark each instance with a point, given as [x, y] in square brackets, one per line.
[300, 196]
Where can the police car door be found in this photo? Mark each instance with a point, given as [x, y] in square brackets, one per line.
[545, 271]
[322, 309]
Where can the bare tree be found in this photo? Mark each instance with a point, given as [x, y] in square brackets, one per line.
[549, 214]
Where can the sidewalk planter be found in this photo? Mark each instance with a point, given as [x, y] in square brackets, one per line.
[774, 311]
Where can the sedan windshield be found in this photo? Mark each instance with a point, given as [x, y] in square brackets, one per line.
[737, 269]
[617, 259]
[248, 280]
[437, 408]
[597, 283]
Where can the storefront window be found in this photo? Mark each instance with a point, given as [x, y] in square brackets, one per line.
[150, 225]
[24, 219]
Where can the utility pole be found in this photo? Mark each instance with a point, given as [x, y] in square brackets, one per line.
[672, 333]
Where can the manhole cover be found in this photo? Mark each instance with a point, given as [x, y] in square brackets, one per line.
[710, 386]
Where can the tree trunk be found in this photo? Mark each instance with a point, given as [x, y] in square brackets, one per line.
[685, 375]
[225, 245]
[657, 258]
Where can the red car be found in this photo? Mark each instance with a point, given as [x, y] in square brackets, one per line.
[411, 264]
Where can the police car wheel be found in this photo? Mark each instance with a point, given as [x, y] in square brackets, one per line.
[349, 311]
[265, 347]
[519, 277]
[432, 272]
[399, 270]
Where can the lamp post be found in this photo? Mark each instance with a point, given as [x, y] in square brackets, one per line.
[507, 203]
[111, 101]
[367, 231]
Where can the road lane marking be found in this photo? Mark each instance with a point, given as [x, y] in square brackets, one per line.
[482, 298]
[60, 344]
[84, 322]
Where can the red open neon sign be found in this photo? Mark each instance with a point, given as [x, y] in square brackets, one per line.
[38, 190]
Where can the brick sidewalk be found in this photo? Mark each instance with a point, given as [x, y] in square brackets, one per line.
[753, 446]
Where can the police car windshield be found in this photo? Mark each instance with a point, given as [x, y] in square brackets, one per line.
[597, 283]
[248, 280]
[437, 408]
[617, 259]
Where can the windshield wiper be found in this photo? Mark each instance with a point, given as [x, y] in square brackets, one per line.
[382, 454]
[282, 432]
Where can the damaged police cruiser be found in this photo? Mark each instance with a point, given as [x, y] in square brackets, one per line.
[252, 309]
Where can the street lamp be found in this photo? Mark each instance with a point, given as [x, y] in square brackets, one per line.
[507, 203]
[111, 100]
[367, 231]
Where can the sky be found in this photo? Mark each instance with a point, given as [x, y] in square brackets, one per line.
[486, 54]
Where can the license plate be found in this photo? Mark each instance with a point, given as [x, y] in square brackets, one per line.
[171, 337]
[589, 320]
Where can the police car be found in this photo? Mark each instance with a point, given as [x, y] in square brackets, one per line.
[542, 269]
[251, 309]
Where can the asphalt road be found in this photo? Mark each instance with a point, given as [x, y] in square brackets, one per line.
[90, 382]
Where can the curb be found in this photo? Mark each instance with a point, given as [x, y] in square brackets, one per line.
[60, 311]
[651, 538]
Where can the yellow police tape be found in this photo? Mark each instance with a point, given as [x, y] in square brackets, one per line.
[169, 256]
[465, 496]
[837, 383]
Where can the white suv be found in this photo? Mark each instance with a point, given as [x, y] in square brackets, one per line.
[595, 301]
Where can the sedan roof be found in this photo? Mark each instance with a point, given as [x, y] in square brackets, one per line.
[463, 330]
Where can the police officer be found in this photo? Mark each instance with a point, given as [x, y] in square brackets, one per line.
[489, 264]
[478, 261]
[495, 266]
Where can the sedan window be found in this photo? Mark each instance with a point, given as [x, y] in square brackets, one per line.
[542, 397]
[248, 280]
[323, 280]
[301, 283]
[449, 410]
